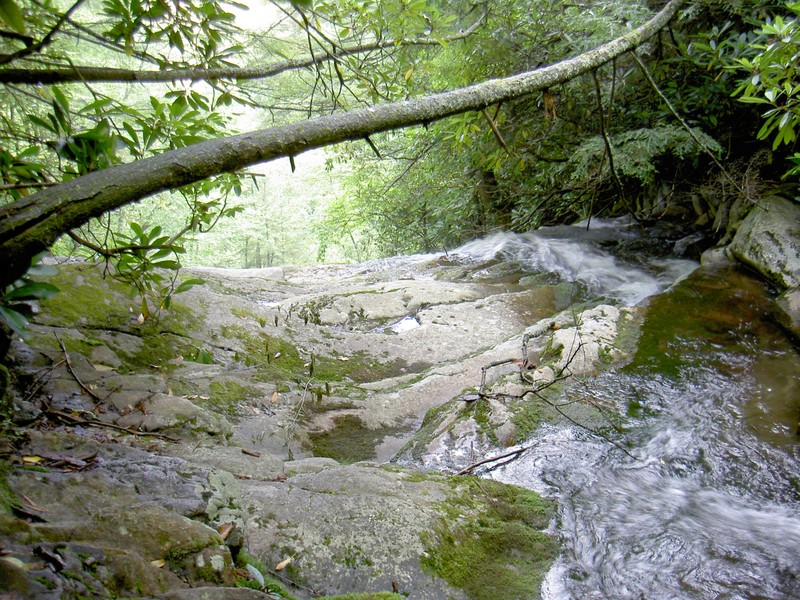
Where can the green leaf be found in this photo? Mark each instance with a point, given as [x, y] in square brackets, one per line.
[137, 229]
[42, 123]
[14, 319]
[172, 265]
[60, 99]
[96, 106]
[189, 283]
[12, 16]
[33, 290]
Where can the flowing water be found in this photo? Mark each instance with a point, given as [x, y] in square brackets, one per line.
[706, 504]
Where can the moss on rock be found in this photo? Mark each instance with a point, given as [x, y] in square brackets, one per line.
[349, 441]
[489, 541]
[227, 395]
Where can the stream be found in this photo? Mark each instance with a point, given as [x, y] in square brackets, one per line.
[705, 503]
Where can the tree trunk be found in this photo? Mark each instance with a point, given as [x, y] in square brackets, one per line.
[31, 224]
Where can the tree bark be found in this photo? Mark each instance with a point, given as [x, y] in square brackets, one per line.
[33, 223]
[86, 74]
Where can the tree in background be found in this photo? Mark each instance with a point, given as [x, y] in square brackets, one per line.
[641, 135]
[114, 101]
[91, 85]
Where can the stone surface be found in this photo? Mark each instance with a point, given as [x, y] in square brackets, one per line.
[356, 528]
[768, 240]
[788, 309]
[294, 362]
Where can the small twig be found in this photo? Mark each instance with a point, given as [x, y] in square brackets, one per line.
[496, 131]
[607, 143]
[491, 365]
[373, 146]
[26, 186]
[31, 504]
[555, 407]
[683, 123]
[515, 453]
[30, 49]
[293, 424]
[95, 423]
[83, 386]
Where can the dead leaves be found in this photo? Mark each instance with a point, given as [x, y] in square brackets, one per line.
[64, 462]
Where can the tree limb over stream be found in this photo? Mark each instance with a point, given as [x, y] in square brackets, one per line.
[31, 224]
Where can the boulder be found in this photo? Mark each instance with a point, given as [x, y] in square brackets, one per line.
[788, 311]
[369, 528]
[768, 240]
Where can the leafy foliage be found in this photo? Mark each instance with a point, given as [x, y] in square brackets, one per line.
[637, 155]
[525, 163]
[142, 263]
[15, 309]
[771, 80]
[357, 53]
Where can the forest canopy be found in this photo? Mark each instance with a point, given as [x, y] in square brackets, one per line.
[708, 103]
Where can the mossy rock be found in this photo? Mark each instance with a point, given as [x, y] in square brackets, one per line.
[350, 440]
[489, 541]
[361, 527]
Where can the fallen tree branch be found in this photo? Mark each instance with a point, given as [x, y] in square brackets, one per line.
[68, 363]
[515, 453]
[73, 420]
[32, 223]
[88, 73]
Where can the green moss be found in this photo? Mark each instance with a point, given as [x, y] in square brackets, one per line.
[350, 441]
[7, 497]
[47, 583]
[526, 417]
[361, 367]
[91, 301]
[156, 351]
[226, 396]
[87, 298]
[268, 353]
[489, 542]
[481, 413]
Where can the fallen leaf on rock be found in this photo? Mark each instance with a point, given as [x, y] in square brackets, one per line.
[158, 563]
[283, 564]
[256, 575]
[225, 530]
[275, 397]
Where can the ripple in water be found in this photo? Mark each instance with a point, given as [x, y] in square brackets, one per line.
[710, 505]
[574, 255]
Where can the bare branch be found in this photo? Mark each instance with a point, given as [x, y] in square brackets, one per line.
[112, 75]
[28, 50]
[513, 453]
